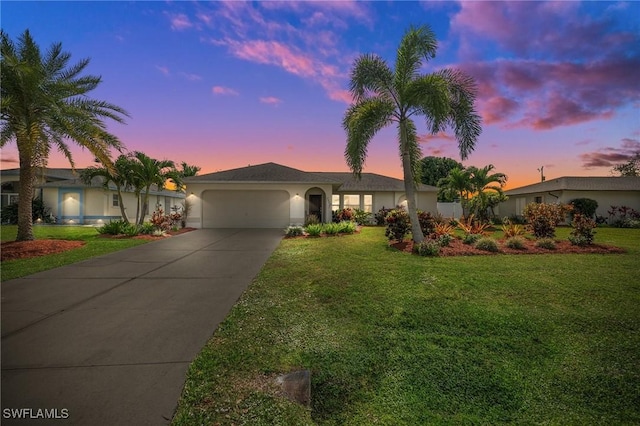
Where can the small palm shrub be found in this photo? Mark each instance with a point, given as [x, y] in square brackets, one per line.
[543, 218]
[546, 243]
[511, 229]
[583, 230]
[398, 224]
[427, 247]
[516, 242]
[294, 231]
[444, 229]
[314, 229]
[487, 244]
[471, 226]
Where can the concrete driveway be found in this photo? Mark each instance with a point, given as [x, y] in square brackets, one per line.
[108, 341]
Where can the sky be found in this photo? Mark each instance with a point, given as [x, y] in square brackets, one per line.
[223, 85]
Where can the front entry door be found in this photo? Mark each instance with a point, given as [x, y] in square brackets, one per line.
[315, 206]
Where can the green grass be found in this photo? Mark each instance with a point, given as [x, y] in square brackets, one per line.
[397, 339]
[95, 246]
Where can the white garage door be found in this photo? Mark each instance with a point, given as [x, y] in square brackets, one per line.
[245, 209]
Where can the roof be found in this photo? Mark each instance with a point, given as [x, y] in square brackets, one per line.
[590, 183]
[48, 173]
[276, 173]
[267, 172]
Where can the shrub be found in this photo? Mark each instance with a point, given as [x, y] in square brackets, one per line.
[344, 214]
[131, 230]
[543, 218]
[471, 226]
[427, 222]
[314, 229]
[471, 238]
[427, 247]
[293, 231]
[311, 219]
[347, 227]
[487, 244]
[515, 243]
[9, 213]
[398, 224]
[546, 243]
[443, 229]
[114, 227]
[332, 228]
[361, 217]
[146, 228]
[583, 230]
[624, 217]
[585, 206]
[381, 215]
[160, 220]
[511, 229]
[444, 240]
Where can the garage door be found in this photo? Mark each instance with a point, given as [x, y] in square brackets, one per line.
[245, 209]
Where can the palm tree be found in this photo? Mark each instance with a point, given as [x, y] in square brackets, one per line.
[484, 182]
[384, 96]
[119, 175]
[457, 184]
[147, 172]
[44, 105]
[188, 170]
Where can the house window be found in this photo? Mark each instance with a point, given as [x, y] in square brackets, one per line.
[335, 202]
[368, 203]
[351, 201]
[115, 201]
[538, 200]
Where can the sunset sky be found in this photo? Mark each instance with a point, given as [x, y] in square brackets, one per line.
[226, 84]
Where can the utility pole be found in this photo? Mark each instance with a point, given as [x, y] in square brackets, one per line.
[541, 170]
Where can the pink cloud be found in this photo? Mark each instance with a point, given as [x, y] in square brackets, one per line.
[179, 22]
[611, 156]
[164, 70]
[438, 136]
[221, 90]
[271, 100]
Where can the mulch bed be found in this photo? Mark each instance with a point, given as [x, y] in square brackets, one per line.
[26, 249]
[458, 248]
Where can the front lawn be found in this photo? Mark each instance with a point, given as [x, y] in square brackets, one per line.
[95, 246]
[393, 338]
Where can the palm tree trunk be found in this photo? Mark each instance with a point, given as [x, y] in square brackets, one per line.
[410, 186]
[123, 212]
[145, 203]
[25, 197]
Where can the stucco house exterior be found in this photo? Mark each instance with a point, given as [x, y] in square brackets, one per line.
[607, 191]
[271, 195]
[74, 202]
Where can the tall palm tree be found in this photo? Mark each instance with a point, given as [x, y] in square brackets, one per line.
[188, 170]
[44, 105]
[457, 184]
[147, 172]
[384, 96]
[119, 175]
[483, 182]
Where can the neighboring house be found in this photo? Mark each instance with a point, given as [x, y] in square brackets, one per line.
[607, 191]
[73, 202]
[274, 196]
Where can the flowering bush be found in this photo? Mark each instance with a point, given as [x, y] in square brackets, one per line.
[583, 230]
[398, 224]
[344, 214]
[427, 223]
[161, 221]
[381, 216]
[543, 218]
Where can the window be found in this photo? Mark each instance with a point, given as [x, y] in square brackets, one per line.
[368, 203]
[335, 202]
[539, 200]
[115, 201]
[351, 201]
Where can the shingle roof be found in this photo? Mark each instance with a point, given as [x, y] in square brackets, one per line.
[268, 172]
[370, 182]
[97, 183]
[590, 183]
[48, 173]
[273, 173]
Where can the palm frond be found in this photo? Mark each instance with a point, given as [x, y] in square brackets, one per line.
[418, 43]
[371, 75]
[361, 122]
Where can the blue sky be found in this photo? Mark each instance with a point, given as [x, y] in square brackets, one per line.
[226, 84]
